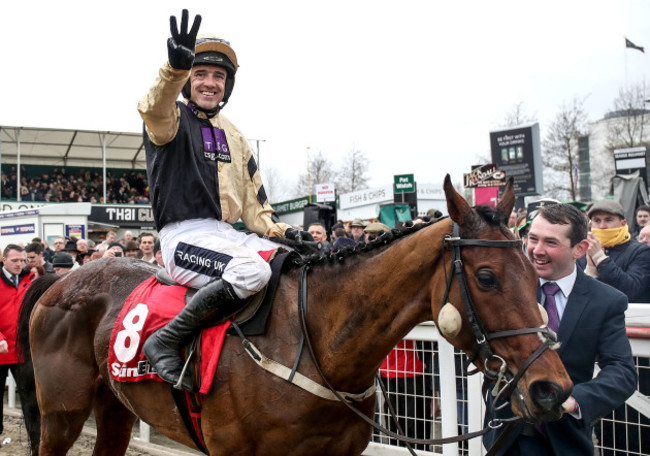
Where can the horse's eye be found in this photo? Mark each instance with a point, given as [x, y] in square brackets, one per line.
[487, 279]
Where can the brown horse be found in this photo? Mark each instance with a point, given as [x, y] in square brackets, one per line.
[358, 309]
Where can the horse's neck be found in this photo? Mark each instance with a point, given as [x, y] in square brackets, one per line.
[367, 309]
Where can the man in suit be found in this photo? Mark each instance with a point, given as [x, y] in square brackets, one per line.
[590, 317]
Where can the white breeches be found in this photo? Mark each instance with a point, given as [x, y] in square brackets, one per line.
[199, 251]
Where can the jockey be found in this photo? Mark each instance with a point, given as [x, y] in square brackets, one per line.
[202, 179]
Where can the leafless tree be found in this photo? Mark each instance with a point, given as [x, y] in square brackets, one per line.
[518, 116]
[353, 173]
[625, 125]
[275, 187]
[560, 150]
[319, 171]
[628, 123]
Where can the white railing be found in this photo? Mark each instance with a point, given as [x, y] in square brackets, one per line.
[455, 389]
[450, 381]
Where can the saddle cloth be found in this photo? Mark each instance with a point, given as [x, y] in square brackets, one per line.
[149, 307]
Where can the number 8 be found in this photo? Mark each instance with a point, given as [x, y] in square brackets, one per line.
[133, 323]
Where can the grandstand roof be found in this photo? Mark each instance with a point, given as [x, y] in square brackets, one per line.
[48, 146]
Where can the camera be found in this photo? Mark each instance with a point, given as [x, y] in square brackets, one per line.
[118, 254]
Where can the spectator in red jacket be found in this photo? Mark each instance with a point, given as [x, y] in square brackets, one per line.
[402, 373]
[14, 281]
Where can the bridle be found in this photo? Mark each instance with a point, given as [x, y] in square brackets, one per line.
[482, 337]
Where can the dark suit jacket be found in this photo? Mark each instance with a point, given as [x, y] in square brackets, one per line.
[592, 330]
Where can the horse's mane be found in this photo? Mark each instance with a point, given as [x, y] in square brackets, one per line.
[32, 295]
[491, 215]
[488, 214]
[340, 255]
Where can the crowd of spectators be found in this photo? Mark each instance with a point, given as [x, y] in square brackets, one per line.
[81, 185]
[70, 253]
[348, 234]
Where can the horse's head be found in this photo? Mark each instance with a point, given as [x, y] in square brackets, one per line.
[490, 309]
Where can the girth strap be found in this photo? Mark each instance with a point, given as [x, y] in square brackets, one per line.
[191, 415]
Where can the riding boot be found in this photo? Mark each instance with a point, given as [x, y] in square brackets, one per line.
[211, 305]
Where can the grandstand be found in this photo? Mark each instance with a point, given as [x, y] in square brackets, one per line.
[77, 159]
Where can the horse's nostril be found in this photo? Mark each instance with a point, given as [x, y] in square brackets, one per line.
[548, 396]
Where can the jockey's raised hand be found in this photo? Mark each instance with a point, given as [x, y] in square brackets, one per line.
[180, 46]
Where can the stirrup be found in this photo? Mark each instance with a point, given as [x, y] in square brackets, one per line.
[179, 383]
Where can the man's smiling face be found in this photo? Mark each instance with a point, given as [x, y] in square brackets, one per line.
[207, 84]
[549, 248]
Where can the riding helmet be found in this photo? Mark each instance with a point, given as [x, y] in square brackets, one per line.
[210, 50]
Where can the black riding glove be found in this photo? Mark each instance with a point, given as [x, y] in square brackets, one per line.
[296, 235]
[180, 47]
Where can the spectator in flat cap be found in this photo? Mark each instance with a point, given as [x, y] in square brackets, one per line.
[356, 229]
[374, 230]
[614, 257]
[62, 262]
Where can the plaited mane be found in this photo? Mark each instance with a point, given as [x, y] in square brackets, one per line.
[339, 255]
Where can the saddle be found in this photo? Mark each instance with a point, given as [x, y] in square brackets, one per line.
[252, 320]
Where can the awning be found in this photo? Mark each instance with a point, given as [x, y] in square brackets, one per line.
[83, 148]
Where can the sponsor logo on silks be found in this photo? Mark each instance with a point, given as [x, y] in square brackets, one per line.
[203, 261]
[215, 145]
[119, 370]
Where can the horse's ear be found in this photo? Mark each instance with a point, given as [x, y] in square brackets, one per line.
[508, 199]
[457, 207]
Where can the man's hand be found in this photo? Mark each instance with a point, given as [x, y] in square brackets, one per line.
[4, 347]
[595, 252]
[180, 47]
[594, 244]
[570, 405]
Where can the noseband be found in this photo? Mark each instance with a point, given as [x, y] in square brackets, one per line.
[481, 335]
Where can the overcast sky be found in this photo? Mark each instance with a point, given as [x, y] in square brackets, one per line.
[416, 85]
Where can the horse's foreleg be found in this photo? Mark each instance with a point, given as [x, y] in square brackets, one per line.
[114, 423]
